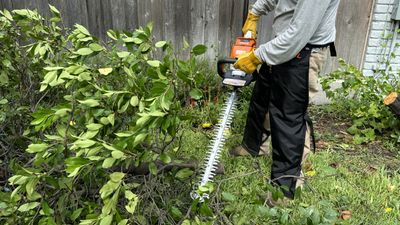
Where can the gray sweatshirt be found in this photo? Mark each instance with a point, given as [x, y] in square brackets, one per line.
[296, 23]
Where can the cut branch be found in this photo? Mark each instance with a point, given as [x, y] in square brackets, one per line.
[393, 102]
[143, 169]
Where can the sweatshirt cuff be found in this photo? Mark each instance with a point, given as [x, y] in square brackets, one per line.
[256, 12]
[257, 53]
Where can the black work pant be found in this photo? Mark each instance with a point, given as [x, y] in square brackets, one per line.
[282, 91]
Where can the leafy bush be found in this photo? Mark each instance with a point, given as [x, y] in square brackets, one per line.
[362, 98]
[98, 111]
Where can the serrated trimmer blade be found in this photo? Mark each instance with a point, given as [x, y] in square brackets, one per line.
[217, 143]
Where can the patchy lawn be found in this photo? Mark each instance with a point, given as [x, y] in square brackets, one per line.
[346, 183]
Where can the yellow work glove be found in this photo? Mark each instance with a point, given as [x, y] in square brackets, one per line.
[247, 62]
[251, 24]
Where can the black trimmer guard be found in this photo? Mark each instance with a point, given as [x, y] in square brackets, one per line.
[233, 77]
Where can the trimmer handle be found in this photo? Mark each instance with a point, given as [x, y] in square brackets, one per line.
[221, 63]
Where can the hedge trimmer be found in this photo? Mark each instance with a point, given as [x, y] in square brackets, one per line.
[236, 79]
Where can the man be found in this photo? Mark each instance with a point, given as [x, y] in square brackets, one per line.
[303, 31]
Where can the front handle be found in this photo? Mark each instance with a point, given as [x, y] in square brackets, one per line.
[221, 63]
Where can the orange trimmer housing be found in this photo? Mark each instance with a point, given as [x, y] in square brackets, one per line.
[242, 45]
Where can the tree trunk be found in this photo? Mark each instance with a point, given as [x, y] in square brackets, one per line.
[393, 102]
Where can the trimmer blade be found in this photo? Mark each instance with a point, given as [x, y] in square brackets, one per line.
[216, 146]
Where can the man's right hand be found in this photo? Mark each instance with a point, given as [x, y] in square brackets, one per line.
[251, 24]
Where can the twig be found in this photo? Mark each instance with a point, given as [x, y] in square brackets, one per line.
[40, 99]
[186, 215]
[239, 176]
[71, 116]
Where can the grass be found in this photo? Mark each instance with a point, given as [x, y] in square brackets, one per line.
[346, 183]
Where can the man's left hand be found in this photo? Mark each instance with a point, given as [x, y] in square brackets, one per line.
[247, 62]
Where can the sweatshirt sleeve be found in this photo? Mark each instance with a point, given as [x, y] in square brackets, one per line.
[262, 7]
[286, 45]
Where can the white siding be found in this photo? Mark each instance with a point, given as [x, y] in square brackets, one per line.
[378, 44]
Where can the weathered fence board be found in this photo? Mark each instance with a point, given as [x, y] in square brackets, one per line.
[198, 14]
[215, 23]
[131, 15]
[353, 21]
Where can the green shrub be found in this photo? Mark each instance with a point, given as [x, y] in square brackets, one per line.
[361, 97]
[97, 111]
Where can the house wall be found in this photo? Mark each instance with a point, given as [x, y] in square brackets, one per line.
[381, 38]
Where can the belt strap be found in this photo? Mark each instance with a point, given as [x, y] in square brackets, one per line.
[331, 46]
[311, 125]
[333, 49]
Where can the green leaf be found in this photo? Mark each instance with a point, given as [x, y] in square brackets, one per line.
[165, 158]
[123, 54]
[35, 148]
[134, 101]
[153, 168]
[157, 114]
[76, 214]
[205, 210]
[50, 77]
[108, 162]
[89, 102]
[117, 154]
[82, 29]
[125, 134]
[22, 12]
[226, 196]
[130, 195]
[196, 94]
[262, 210]
[137, 41]
[46, 209]
[184, 174]
[106, 220]
[3, 101]
[7, 14]
[128, 40]
[199, 49]
[28, 206]
[105, 71]
[123, 222]
[104, 120]
[143, 120]
[111, 119]
[185, 44]
[85, 143]
[139, 138]
[31, 185]
[96, 47]
[88, 222]
[112, 35]
[154, 63]
[161, 44]
[62, 112]
[18, 179]
[76, 161]
[94, 126]
[54, 9]
[49, 68]
[109, 147]
[54, 137]
[176, 213]
[124, 107]
[133, 201]
[84, 51]
[43, 87]
[117, 176]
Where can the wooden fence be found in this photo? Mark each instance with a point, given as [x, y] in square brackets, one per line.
[215, 23]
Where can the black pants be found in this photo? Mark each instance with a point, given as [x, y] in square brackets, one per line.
[282, 91]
